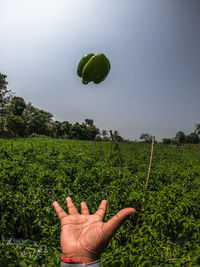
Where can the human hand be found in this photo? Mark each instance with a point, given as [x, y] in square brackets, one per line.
[85, 236]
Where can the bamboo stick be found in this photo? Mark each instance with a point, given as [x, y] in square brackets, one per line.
[119, 152]
[150, 163]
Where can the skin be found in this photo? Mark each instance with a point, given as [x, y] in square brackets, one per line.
[84, 236]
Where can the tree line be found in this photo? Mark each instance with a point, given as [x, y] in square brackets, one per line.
[21, 119]
[180, 138]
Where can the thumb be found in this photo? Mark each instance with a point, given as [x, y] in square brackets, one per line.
[111, 227]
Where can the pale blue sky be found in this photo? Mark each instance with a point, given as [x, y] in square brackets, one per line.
[153, 47]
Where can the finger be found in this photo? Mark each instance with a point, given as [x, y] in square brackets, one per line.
[71, 207]
[84, 208]
[60, 212]
[102, 209]
[116, 221]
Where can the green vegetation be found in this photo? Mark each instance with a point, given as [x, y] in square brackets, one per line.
[36, 171]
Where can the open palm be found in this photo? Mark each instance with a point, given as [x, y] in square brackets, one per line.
[85, 236]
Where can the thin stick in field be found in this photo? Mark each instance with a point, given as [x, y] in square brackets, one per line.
[150, 163]
[110, 152]
[119, 152]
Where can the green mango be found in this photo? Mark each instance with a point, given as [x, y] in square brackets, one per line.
[93, 68]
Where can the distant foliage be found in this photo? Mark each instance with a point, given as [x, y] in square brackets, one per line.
[181, 138]
[197, 129]
[166, 141]
[5, 95]
[146, 137]
[21, 119]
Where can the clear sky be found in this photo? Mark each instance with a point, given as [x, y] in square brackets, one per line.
[153, 47]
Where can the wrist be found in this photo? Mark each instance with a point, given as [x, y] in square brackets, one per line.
[78, 258]
[69, 260]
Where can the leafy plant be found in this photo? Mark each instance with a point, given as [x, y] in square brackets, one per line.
[35, 172]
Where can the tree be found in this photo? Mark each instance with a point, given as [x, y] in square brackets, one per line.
[38, 121]
[166, 141]
[78, 131]
[92, 132]
[98, 138]
[89, 122]
[60, 129]
[85, 131]
[117, 137]
[17, 105]
[57, 129]
[5, 95]
[197, 129]
[180, 137]
[66, 128]
[15, 122]
[16, 125]
[192, 138]
[146, 137]
[174, 141]
[104, 134]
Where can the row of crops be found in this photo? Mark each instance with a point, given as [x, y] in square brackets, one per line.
[35, 172]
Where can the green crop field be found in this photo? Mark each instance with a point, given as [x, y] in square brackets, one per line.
[35, 172]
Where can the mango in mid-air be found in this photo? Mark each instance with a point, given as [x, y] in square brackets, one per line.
[93, 68]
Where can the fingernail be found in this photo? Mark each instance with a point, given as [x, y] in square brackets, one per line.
[68, 198]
